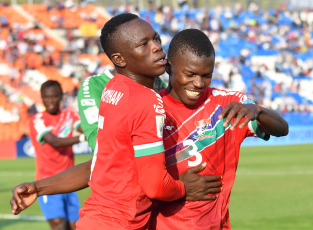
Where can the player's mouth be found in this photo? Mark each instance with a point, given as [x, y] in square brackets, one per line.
[194, 94]
[51, 108]
[161, 59]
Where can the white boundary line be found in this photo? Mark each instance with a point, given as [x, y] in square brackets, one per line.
[19, 217]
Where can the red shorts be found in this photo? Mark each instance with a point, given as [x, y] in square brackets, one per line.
[87, 222]
[94, 222]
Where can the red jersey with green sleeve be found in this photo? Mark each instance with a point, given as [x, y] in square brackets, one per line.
[193, 135]
[49, 160]
[128, 158]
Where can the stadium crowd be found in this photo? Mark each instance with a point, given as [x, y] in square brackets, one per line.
[268, 54]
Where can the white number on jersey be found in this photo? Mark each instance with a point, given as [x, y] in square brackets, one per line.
[193, 152]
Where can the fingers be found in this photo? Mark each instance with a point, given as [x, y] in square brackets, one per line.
[214, 191]
[239, 116]
[14, 206]
[217, 184]
[225, 111]
[211, 193]
[210, 178]
[238, 112]
[245, 122]
[234, 111]
[211, 189]
[201, 189]
[16, 191]
[210, 197]
[229, 112]
[16, 202]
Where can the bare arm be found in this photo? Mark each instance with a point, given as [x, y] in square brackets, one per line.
[71, 180]
[56, 141]
[270, 121]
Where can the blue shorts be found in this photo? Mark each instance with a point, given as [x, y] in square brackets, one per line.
[60, 206]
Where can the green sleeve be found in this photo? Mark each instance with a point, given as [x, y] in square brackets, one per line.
[89, 97]
[159, 84]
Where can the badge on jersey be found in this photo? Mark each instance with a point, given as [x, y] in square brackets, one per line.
[91, 114]
[247, 100]
[88, 102]
[203, 125]
[160, 125]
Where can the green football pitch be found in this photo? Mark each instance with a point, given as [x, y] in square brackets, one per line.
[273, 190]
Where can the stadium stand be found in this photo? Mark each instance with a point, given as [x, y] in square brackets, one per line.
[30, 55]
[267, 54]
[63, 16]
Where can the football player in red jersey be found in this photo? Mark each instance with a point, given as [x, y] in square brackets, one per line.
[208, 126]
[51, 133]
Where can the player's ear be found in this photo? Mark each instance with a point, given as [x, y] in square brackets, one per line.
[168, 67]
[118, 60]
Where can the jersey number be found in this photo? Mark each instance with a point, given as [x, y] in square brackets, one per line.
[193, 152]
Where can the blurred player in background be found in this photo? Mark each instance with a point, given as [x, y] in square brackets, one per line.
[51, 133]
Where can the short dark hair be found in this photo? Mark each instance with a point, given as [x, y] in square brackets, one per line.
[192, 40]
[49, 84]
[108, 36]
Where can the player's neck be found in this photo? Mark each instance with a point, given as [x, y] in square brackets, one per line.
[141, 79]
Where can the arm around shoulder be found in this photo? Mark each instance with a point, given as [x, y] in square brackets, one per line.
[155, 181]
[272, 122]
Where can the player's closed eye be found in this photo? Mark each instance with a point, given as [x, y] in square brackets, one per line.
[208, 76]
[158, 39]
[144, 43]
[189, 74]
